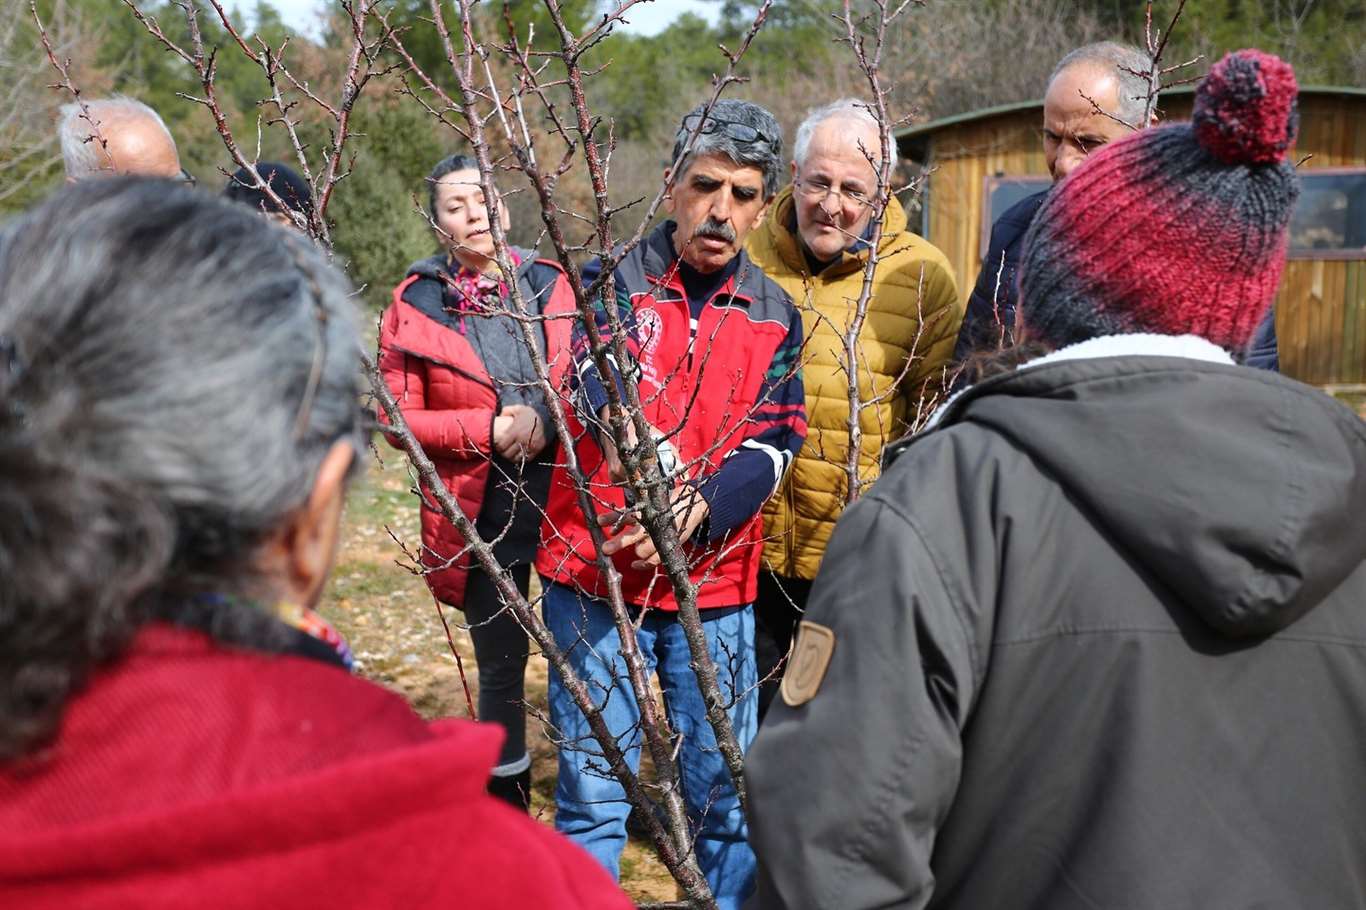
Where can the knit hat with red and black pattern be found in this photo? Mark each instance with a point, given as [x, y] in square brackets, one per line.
[1174, 230]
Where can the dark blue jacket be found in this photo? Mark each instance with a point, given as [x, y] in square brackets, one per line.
[1263, 353]
[981, 329]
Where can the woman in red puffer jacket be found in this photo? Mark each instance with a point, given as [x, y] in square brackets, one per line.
[456, 359]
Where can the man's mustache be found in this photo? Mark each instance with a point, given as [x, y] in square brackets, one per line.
[718, 229]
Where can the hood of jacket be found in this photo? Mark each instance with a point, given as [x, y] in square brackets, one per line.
[1241, 491]
[438, 265]
[430, 297]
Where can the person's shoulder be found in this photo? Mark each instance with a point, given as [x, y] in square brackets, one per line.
[913, 253]
[629, 266]
[538, 271]
[912, 268]
[591, 269]
[423, 283]
[431, 267]
[549, 870]
[769, 300]
[942, 462]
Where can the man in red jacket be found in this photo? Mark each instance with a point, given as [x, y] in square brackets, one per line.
[714, 347]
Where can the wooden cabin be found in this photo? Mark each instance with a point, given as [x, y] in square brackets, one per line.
[984, 161]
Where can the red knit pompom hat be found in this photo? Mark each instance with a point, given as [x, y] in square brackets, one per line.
[1175, 230]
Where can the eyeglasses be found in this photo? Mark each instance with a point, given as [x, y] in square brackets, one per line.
[819, 189]
[741, 132]
[187, 178]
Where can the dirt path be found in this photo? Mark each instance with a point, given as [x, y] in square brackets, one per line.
[392, 625]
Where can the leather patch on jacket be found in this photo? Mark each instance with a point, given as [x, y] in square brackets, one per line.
[810, 660]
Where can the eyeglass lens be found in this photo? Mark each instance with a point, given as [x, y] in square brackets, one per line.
[740, 131]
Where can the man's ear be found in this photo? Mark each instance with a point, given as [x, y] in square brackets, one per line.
[763, 211]
[793, 165]
[305, 546]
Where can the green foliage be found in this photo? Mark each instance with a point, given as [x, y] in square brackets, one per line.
[1322, 38]
[143, 68]
[532, 14]
[379, 231]
[651, 80]
[644, 84]
[645, 75]
[796, 34]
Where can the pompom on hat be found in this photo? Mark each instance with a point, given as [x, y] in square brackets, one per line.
[1175, 230]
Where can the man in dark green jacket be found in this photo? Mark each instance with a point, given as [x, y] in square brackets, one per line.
[1097, 638]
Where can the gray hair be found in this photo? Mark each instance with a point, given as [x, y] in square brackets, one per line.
[173, 370]
[765, 152]
[1127, 63]
[844, 109]
[81, 149]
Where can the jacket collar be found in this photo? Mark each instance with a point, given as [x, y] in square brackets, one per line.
[1146, 344]
[1137, 344]
[441, 298]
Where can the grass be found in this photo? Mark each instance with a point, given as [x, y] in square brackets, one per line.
[391, 622]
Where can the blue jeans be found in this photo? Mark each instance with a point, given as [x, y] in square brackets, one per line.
[591, 805]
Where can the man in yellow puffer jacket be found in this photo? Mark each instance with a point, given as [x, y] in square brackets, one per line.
[815, 243]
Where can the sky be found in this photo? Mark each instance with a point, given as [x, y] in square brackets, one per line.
[645, 18]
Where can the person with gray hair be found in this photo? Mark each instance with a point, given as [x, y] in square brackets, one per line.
[179, 417]
[1096, 94]
[853, 112]
[715, 346]
[816, 243]
[744, 133]
[116, 135]
[1121, 76]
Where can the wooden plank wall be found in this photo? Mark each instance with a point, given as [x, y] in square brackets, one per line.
[1321, 308]
[1321, 314]
[1321, 321]
[963, 156]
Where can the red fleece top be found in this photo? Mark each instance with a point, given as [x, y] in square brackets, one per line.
[193, 775]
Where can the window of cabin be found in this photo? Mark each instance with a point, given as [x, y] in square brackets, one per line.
[1330, 218]
[1002, 192]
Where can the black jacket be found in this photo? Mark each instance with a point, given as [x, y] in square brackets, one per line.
[1264, 354]
[989, 320]
[1100, 642]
